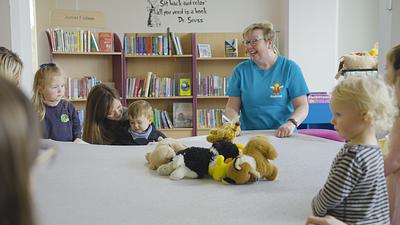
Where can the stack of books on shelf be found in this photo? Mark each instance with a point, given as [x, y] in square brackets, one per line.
[81, 116]
[209, 118]
[79, 88]
[319, 97]
[161, 119]
[213, 85]
[231, 47]
[135, 44]
[176, 42]
[80, 41]
[155, 86]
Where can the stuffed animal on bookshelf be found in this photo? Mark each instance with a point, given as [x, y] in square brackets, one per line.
[163, 153]
[228, 132]
[357, 60]
[193, 162]
[241, 171]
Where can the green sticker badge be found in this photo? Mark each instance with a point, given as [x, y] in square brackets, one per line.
[64, 118]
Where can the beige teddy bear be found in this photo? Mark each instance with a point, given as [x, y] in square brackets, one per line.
[163, 153]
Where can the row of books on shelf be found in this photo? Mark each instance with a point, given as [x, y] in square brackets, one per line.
[154, 86]
[79, 88]
[80, 41]
[149, 45]
[212, 85]
[319, 97]
[182, 117]
[137, 44]
[209, 118]
[161, 119]
[81, 116]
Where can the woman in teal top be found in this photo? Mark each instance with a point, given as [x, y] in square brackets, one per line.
[269, 90]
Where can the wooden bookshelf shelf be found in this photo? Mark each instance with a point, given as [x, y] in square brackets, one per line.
[160, 98]
[222, 58]
[116, 67]
[212, 97]
[105, 66]
[86, 53]
[159, 56]
[77, 100]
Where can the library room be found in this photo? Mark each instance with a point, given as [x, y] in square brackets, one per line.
[237, 112]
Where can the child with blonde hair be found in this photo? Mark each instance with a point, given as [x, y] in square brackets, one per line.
[355, 191]
[10, 65]
[140, 130]
[392, 160]
[59, 118]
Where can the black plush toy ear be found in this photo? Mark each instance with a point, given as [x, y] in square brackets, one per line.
[226, 148]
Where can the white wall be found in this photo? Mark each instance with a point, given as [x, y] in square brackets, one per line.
[124, 16]
[389, 29]
[15, 14]
[358, 24]
[5, 26]
[312, 40]
[314, 33]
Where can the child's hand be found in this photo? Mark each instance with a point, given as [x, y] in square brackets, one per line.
[80, 141]
[326, 220]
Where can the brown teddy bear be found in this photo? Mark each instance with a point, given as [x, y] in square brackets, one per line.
[163, 153]
[244, 170]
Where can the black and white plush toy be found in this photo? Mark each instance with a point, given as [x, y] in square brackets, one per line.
[193, 162]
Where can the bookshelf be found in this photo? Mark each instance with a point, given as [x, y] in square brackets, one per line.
[218, 65]
[166, 66]
[122, 63]
[106, 66]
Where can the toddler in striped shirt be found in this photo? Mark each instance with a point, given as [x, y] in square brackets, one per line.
[355, 191]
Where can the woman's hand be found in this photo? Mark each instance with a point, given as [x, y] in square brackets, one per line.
[326, 220]
[285, 130]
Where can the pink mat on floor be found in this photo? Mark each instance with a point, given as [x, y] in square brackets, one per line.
[323, 133]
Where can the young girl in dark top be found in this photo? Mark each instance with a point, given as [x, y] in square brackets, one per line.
[59, 118]
[139, 130]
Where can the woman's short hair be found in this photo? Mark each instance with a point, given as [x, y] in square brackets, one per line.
[266, 27]
[10, 65]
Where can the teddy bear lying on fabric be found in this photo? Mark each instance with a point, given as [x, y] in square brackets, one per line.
[163, 153]
[254, 163]
[193, 162]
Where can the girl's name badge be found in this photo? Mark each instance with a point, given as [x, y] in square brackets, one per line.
[64, 118]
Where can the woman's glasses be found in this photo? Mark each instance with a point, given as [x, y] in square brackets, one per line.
[253, 42]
